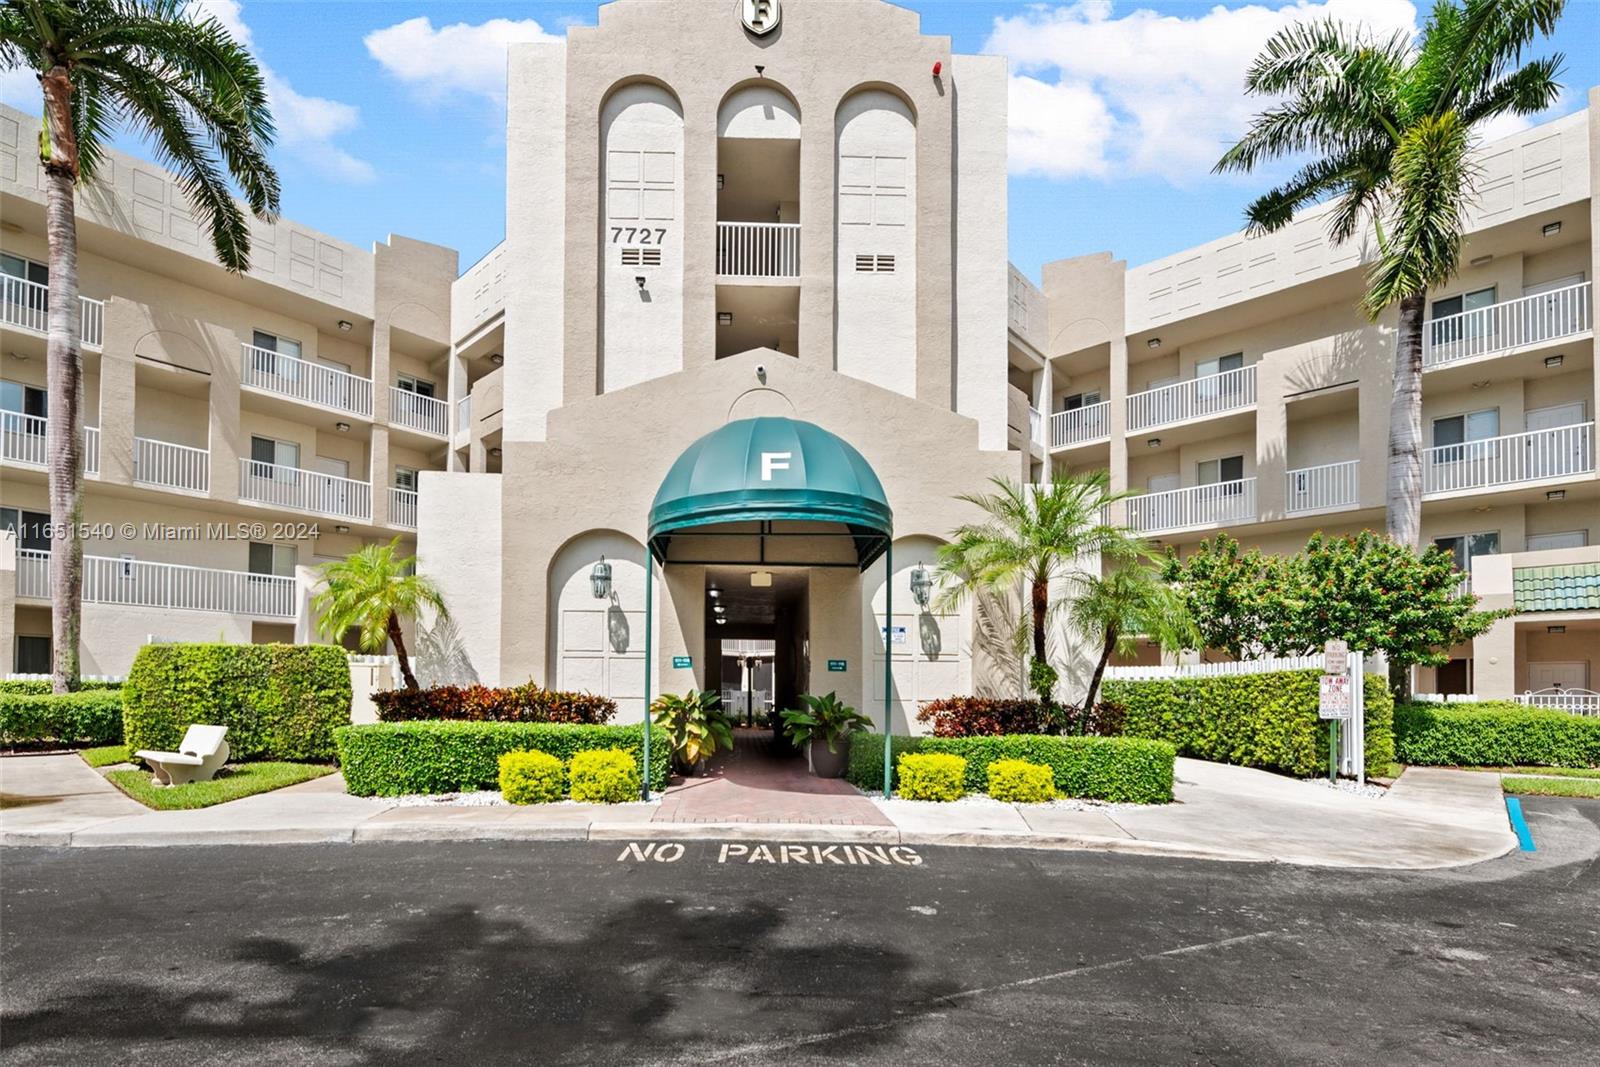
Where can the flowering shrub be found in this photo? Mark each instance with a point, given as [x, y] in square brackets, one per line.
[531, 777]
[983, 716]
[477, 703]
[604, 776]
[931, 776]
[1017, 781]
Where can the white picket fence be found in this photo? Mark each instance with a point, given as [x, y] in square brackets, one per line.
[1264, 665]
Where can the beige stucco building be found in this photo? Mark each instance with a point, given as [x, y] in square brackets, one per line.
[720, 212]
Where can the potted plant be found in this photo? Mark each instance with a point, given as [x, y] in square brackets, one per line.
[823, 723]
[696, 726]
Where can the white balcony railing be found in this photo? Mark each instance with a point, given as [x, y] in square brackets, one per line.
[414, 411]
[1563, 452]
[311, 383]
[303, 490]
[1574, 701]
[1035, 425]
[91, 450]
[1529, 320]
[22, 438]
[140, 583]
[1198, 398]
[1324, 488]
[1080, 425]
[170, 466]
[758, 249]
[1198, 505]
[464, 414]
[25, 305]
[403, 507]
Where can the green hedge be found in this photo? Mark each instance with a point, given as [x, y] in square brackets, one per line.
[41, 686]
[1252, 720]
[1095, 768]
[1494, 734]
[89, 718]
[279, 702]
[396, 758]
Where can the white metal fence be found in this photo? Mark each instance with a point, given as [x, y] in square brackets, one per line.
[1213, 394]
[299, 379]
[1196, 505]
[1080, 425]
[170, 466]
[303, 490]
[1500, 327]
[1518, 457]
[1322, 488]
[758, 249]
[417, 412]
[1574, 701]
[22, 438]
[1265, 665]
[402, 507]
[141, 583]
[25, 305]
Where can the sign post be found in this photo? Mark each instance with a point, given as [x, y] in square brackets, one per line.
[1334, 705]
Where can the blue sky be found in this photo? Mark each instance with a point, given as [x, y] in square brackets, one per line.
[391, 113]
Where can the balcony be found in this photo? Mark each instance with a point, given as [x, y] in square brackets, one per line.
[266, 371]
[413, 411]
[303, 490]
[1198, 398]
[758, 250]
[1487, 331]
[91, 450]
[137, 583]
[1218, 504]
[25, 305]
[164, 465]
[403, 507]
[24, 441]
[1542, 455]
[1329, 487]
[1081, 426]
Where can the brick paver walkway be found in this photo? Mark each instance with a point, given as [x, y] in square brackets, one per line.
[751, 784]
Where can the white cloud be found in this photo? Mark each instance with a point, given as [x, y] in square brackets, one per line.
[308, 126]
[1093, 93]
[462, 59]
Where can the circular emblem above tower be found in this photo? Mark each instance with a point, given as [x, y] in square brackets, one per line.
[760, 17]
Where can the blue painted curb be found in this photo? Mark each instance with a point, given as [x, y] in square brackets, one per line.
[1519, 824]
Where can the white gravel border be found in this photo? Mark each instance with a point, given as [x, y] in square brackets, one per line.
[488, 798]
[980, 800]
[1345, 785]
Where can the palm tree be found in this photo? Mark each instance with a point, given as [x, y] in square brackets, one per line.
[370, 591]
[1127, 603]
[1033, 535]
[1391, 124]
[199, 98]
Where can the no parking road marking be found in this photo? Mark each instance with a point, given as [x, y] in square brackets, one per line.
[800, 855]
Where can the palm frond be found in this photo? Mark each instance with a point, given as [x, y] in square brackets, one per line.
[1433, 181]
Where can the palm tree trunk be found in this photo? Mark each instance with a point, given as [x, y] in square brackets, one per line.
[399, 641]
[1404, 502]
[1041, 610]
[1099, 672]
[65, 379]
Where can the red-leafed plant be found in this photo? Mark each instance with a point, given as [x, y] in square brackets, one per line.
[476, 703]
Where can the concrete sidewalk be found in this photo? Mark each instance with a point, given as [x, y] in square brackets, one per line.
[1432, 818]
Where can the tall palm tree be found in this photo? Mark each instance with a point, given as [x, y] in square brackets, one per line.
[370, 591]
[1123, 605]
[190, 89]
[1390, 123]
[1031, 536]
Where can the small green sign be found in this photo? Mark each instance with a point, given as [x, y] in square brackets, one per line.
[682, 663]
[837, 665]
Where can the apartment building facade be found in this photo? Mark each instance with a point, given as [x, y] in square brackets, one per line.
[1236, 388]
[238, 429]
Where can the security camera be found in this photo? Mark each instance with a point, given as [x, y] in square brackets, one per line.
[638, 279]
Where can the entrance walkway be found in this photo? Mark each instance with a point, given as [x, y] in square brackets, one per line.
[755, 784]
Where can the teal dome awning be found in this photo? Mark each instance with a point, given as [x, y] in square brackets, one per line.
[772, 469]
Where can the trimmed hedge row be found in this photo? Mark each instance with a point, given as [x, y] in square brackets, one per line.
[84, 718]
[41, 686]
[395, 758]
[1494, 734]
[478, 703]
[1096, 768]
[1251, 720]
[279, 702]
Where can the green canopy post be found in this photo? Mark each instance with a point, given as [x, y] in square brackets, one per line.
[649, 598]
[888, 669]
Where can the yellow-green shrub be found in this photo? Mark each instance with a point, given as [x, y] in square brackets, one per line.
[931, 776]
[531, 777]
[604, 776]
[1017, 781]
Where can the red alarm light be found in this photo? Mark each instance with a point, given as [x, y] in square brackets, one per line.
[937, 67]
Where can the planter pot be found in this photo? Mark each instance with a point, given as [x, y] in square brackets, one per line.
[825, 764]
[697, 769]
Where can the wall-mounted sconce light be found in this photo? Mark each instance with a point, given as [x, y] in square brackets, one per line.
[1555, 360]
[1481, 260]
[638, 279]
[921, 585]
[342, 427]
[760, 71]
[1558, 629]
[341, 528]
[724, 318]
[1550, 229]
[1154, 442]
[496, 358]
[1556, 494]
[600, 580]
[1154, 342]
[346, 325]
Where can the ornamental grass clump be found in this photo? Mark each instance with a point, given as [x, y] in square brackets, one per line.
[932, 776]
[1017, 781]
[604, 776]
[531, 778]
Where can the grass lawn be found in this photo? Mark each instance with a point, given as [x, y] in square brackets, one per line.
[1554, 772]
[106, 755]
[1552, 787]
[237, 780]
